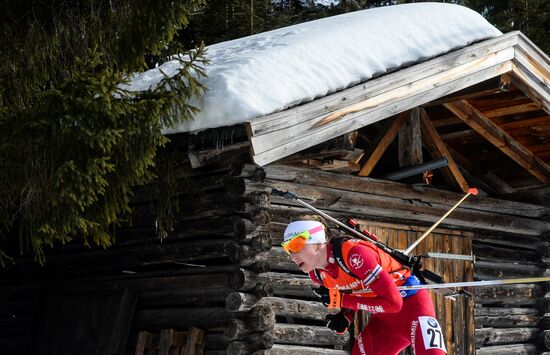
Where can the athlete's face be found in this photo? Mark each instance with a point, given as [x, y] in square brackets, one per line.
[310, 257]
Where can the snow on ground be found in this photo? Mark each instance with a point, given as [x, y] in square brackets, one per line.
[271, 71]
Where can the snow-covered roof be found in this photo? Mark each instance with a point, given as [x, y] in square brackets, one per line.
[257, 75]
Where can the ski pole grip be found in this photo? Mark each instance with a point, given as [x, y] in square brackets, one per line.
[288, 195]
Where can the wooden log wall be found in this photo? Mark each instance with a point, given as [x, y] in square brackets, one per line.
[508, 242]
[222, 269]
[179, 282]
[509, 319]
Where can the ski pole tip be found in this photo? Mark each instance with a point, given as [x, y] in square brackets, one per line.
[472, 191]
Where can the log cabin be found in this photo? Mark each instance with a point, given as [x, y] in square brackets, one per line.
[395, 152]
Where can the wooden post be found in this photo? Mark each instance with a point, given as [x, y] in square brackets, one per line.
[381, 143]
[410, 140]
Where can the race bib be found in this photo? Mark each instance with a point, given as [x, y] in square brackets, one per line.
[432, 333]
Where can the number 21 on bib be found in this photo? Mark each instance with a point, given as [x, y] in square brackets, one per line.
[431, 333]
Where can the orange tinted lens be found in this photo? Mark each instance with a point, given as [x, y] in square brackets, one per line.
[296, 243]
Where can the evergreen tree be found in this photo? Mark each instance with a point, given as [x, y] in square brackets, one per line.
[73, 142]
[532, 17]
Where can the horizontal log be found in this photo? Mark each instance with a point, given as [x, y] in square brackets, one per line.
[405, 209]
[533, 243]
[512, 349]
[202, 158]
[289, 284]
[486, 270]
[145, 230]
[308, 335]
[123, 259]
[279, 260]
[293, 308]
[506, 317]
[283, 349]
[207, 206]
[495, 253]
[365, 185]
[497, 336]
[167, 318]
[203, 183]
[519, 295]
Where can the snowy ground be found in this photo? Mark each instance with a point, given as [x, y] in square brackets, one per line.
[271, 71]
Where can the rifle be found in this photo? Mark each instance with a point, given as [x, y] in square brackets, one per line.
[411, 262]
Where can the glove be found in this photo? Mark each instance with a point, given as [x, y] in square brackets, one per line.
[330, 297]
[340, 321]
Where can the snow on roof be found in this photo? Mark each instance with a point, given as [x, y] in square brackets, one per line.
[260, 74]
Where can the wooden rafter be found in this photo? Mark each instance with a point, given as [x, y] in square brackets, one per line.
[502, 140]
[437, 149]
[281, 134]
[381, 143]
[531, 72]
[493, 182]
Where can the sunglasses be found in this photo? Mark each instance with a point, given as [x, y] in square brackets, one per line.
[298, 241]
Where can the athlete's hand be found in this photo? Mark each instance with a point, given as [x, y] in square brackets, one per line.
[330, 297]
[340, 321]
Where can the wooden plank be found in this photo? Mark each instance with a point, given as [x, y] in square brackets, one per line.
[512, 110]
[439, 150]
[195, 342]
[357, 93]
[410, 140]
[309, 177]
[302, 136]
[502, 140]
[400, 210]
[531, 85]
[531, 72]
[143, 341]
[381, 143]
[268, 143]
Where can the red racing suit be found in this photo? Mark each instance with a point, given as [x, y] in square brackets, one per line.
[397, 320]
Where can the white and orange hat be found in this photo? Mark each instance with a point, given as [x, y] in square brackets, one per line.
[316, 230]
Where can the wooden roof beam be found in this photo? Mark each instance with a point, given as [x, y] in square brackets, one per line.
[381, 142]
[437, 149]
[502, 140]
[531, 72]
[283, 133]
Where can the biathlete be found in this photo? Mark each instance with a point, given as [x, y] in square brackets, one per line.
[342, 266]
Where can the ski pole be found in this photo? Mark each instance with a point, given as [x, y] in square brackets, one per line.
[411, 262]
[471, 191]
[482, 283]
[290, 196]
